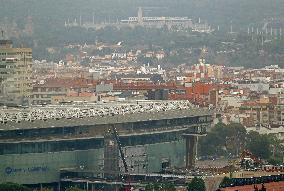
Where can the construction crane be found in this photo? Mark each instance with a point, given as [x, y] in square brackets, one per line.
[120, 149]
[116, 136]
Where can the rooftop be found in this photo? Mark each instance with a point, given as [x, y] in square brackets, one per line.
[5, 42]
[95, 114]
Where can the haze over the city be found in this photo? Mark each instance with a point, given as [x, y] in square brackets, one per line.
[143, 95]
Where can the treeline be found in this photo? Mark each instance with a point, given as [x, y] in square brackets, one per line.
[181, 47]
[48, 19]
[230, 140]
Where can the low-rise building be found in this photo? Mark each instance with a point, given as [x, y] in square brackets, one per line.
[44, 92]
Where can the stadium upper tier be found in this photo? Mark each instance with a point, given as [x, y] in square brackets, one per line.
[99, 113]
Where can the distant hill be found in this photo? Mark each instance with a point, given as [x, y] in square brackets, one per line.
[40, 23]
[55, 12]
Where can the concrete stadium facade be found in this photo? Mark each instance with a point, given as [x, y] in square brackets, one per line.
[36, 152]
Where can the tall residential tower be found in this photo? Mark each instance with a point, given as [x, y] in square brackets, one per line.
[15, 74]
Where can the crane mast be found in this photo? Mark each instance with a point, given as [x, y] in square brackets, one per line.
[120, 149]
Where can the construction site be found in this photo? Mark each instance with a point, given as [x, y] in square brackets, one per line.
[103, 145]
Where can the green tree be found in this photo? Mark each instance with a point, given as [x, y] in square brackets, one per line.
[223, 139]
[166, 186]
[259, 145]
[150, 187]
[73, 188]
[233, 139]
[225, 182]
[275, 160]
[13, 187]
[196, 184]
[46, 189]
[43, 189]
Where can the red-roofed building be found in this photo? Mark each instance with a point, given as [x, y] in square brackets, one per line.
[75, 97]
[265, 112]
[43, 92]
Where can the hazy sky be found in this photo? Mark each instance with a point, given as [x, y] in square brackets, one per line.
[219, 11]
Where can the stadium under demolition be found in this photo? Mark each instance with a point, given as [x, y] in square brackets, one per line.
[101, 145]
